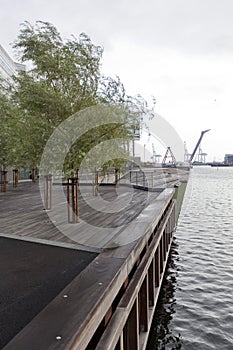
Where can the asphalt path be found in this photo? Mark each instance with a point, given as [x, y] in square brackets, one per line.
[31, 275]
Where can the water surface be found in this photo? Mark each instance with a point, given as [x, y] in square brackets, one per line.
[196, 305]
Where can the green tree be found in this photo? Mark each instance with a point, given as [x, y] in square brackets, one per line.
[64, 78]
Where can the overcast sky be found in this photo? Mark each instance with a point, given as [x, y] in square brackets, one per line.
[179, 51]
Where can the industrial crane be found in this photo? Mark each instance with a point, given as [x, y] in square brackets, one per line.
[197, 145]
[168, 154]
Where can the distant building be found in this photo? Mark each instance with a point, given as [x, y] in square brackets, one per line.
[228, 159]
[8, 67]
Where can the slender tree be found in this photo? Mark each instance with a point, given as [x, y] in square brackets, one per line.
[64, 77]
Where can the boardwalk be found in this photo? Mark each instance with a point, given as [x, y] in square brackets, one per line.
[38, 269]
[119, 233]
[22, 215]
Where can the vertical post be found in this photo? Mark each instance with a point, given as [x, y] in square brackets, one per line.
[33, 174]
[72, 200]
[164, 245]
[68, 198]
[144, 178]
[3, 180]
[157, 266]
[116, 176]
[143, 306]
[15, 177]
[96, 189]
[161, 254]
[168, 231]
[133, 149]
[151, 278]
[77, 176]
[48, 191]
[120, 343]
[174, 218]
[168, 235]
[131, 329]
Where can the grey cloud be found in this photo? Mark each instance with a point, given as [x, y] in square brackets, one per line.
[195, 26]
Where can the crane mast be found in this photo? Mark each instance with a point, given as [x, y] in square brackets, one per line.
[197, 145]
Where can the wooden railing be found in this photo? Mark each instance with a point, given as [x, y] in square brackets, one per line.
[129, 326]
[110, 304]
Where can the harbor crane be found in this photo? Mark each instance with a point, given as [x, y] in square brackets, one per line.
[169, 154]
[155, 156]
[197, 145]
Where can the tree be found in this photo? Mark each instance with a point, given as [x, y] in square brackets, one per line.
[64, 78]
[9, 122]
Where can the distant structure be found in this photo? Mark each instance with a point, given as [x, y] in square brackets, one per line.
[201, 156]
[228, 159]
[169, 155]
[156, 157]
[8, 67]
[197, 145]
[187, 155]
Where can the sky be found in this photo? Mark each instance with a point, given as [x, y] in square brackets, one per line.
[178, 51]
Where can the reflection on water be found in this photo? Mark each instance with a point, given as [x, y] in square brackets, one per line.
[161, 336]
[195, 310]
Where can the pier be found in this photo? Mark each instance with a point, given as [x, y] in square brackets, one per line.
[96, 288]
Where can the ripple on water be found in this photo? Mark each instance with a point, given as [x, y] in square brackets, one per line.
[201, 309]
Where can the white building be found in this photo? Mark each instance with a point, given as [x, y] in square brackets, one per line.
[8, 67]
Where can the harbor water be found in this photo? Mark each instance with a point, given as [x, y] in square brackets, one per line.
[195, 310]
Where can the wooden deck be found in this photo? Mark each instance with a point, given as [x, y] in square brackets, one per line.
[22, 215]
[110, 304]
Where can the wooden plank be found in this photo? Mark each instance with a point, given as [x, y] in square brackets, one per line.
[157, 266]
[161, 255]
[131, 329]
[151, 281]
[113, 334]
[143, 306]
[21, 213]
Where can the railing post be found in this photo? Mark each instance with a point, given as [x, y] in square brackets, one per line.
[15, 177]
[151, 278]
[72, 199]
[120, 344]
[161, 255]
[48, 192]
[33, 174]
[3, 180]
[116, 176]
[131, 329]
[143, 306]
[157, 266]
[164, 245]
[144, 179]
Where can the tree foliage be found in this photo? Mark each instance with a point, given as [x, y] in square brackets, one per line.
[64, 77]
